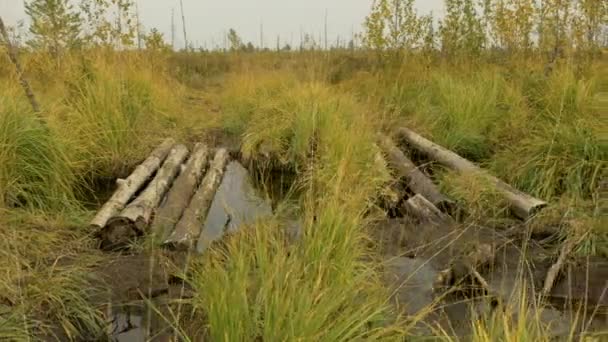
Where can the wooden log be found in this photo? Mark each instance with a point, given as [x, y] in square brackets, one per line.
[128, 187]
[189, 226]
[522, 204]
[423, 209]
[133, 221]
[181, 192]
[417, 181]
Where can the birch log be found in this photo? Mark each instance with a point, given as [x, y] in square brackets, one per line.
[522, 204]
[135, 218]
[189, 226]
[128, 187]
[181, 192]
[417, 181]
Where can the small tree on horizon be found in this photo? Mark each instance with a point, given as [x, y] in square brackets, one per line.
[234, 40]
[56, 25]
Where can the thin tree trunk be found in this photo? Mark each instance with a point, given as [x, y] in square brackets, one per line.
[181, 5]
[134, 220]
[417, 181]
[128, 187]
[522, 204]
[189, 226]
[12, 55]
[181, 193]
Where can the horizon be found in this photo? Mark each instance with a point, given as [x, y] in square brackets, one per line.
[285, 21]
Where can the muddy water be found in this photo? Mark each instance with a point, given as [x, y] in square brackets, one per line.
[417, 253]
[236, 203]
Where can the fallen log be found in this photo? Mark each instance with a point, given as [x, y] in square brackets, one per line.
[421, 208]
[128, 187]
[417, 181]
[190, 225]
[135, 218]
[522, 204]
[181, 192]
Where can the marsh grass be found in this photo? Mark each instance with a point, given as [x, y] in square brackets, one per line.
[35, 170]
[317, 115]
[46, 277]
[319, 288]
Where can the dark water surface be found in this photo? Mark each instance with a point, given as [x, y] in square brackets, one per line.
[236, 203]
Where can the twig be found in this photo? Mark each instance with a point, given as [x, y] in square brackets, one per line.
[479, 278]
[12, 55]
[556, 268]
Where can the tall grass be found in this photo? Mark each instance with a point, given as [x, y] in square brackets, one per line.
[35, 170]
[316, 115]
[46, 286]
[259, 287]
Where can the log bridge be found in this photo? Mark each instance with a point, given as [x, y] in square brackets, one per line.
[168, 196]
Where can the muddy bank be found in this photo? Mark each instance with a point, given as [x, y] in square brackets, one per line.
[428, 268]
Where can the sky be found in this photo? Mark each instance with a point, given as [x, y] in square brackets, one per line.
[207, 21]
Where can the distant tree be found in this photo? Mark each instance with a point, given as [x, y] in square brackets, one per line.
[155, 41]
[375, 26]
[351, 45]
[109, 22]
[429, 39]
[461, 29]
[234, 40]
[55, 25]
[554, 28]
[513, 23]
[393, 25]
[249, 47]
[286, 47]
[593, 16]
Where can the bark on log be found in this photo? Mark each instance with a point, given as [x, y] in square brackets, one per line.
[189, 226]
[522, 204]
[417, 181]
[423, 209]
[128, 187]
[181, 192]
[135, 218]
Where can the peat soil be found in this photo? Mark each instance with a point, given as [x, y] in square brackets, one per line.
[448, 275]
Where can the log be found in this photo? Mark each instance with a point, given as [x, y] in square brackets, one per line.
[423, 209]
[135, 218]
[417, 181]
[181, 192]
[522, 204]
[190, 225]
[128, 187]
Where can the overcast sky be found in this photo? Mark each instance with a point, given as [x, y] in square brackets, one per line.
[208, 20]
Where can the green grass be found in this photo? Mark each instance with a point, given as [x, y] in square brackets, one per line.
[320, 288]
[46, 283]
[35, 170]
[314, 114]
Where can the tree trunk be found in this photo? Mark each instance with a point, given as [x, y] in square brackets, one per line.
[128, 187]
[135, 218]
[417, 181]
[181, 193]
[189, 226]
[12, 55]
[522, 205]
